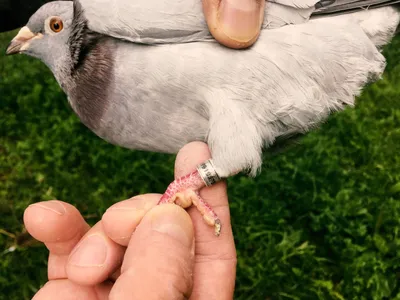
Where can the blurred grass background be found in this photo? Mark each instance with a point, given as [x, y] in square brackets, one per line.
[322, 220]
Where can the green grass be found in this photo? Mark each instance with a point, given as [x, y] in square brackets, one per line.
[322, 220]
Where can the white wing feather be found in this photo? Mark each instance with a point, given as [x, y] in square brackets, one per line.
[176, 21]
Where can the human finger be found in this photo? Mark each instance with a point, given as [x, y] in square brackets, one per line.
[95, 258]
[234, 23]
[159, 259]
[121, 219]
[59, 226]
[215, 257]
[67, 290]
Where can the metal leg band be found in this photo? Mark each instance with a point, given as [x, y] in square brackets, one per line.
[207, 173]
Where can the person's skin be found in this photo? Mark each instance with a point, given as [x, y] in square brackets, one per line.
[234, 23]
[166, 252]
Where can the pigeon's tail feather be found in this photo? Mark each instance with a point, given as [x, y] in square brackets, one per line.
[381, 27]
[379, 24]
[328, 7]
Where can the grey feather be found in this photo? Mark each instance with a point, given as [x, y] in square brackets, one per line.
[160, 97]
[340, 6]
[180, 21]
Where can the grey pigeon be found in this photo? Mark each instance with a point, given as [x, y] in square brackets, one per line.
[147, 75]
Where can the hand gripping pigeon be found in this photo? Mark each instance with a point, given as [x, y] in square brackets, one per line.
[147, 75]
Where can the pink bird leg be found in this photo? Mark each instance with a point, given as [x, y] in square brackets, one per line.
[184, 191]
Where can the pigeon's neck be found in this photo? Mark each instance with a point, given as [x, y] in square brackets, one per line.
[87, 75]
[90, 82]
[81, 40]
[82, 47]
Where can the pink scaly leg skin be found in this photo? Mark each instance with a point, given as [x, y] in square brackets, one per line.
[184, 192]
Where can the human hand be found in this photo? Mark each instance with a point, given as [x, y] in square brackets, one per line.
[165, 254]
[234, 23]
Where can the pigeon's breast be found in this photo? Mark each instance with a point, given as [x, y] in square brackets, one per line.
[127, 101]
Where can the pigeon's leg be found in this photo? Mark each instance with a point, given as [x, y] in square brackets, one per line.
[235, 140]
[184, 191]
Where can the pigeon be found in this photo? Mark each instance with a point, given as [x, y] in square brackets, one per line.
[147, 75]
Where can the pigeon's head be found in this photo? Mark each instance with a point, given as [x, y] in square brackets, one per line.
[46, 36]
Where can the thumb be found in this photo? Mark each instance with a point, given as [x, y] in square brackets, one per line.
[158, 262]
[234, 23]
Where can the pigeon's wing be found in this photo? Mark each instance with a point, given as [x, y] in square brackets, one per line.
[347, 6]
[147, 21]
[175, 21]
[279, 13]
[181, 21]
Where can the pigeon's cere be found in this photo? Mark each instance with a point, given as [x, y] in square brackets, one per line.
[21, 41]
[147, 75]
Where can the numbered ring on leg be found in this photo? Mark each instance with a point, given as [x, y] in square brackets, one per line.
[207, 173]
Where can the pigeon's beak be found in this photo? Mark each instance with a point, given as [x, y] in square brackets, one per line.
[21, 41]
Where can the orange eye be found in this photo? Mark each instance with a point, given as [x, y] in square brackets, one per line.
[56, 24]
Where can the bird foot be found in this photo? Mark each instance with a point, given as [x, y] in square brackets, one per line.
[184, 192]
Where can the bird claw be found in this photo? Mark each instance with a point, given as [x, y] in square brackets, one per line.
[182, 200]
[184, 192]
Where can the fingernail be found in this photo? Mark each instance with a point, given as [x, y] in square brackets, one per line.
[91, 252]
[168, 220]
[240, 19]
[54, 206]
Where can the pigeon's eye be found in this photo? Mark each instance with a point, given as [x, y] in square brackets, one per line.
[56, 24]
